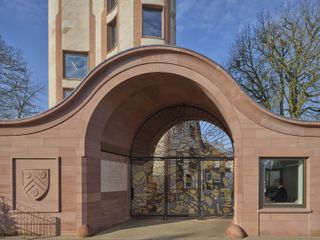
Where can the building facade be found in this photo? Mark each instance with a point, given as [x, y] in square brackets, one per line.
[83, 33]
[151, 131]
[95, 160]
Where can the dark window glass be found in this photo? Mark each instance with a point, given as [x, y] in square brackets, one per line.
[152, 22]
[67, 92]
[112, 35]
[75, 65]
[281, 182]
[111, 4]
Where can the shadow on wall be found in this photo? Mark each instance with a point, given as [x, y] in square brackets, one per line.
[24, 221]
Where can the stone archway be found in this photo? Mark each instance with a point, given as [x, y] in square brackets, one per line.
[134, 100]
[99, 120]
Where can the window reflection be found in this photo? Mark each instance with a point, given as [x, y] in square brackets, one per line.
[75, 65]
[282, 181]
[152, 22]
[112, 35]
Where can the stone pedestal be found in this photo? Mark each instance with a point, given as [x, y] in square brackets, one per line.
[83, 231]
[235, 231]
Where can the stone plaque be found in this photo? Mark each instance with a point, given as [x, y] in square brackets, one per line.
[35, 183]
[114, 176]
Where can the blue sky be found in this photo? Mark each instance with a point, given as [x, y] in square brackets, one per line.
[206, 26]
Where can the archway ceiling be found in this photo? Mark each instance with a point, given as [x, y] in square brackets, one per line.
[148, 94]
[165, 123]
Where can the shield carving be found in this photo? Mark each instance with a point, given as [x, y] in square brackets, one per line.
[35, 182]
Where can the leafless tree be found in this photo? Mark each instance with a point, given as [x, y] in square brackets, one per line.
[18, 92]
[277, 62]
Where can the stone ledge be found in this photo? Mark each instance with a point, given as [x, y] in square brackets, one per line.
[284, 210]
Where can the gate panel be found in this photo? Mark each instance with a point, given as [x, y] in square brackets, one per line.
[183, 179]
[216, 188]
[193, 187]
[147, 181]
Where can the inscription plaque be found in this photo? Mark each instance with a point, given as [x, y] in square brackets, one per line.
[114, 176]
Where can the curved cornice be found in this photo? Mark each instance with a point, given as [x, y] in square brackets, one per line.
[158, 53]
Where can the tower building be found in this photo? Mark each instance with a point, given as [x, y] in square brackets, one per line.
[83, 33]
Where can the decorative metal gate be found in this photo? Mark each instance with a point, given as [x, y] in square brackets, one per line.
[186, 171]
[197, 187]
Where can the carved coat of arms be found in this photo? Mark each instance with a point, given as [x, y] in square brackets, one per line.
[35, 182]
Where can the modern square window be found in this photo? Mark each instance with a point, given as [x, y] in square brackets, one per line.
[67, 92]
[112, 35]
[111, 4]
[75, 65]
[152, 22]
[282, 182]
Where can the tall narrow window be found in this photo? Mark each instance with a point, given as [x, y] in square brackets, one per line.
[282, 182]
[75, 65]
[112, 35]
[152, 22]
[111, 4]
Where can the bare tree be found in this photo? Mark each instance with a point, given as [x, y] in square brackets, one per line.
[277, 62]
[18, 93]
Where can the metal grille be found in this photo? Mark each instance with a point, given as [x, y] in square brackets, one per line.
[194, 139]
[182, 165]
[24, 221]
[177, 126]
[197, 187]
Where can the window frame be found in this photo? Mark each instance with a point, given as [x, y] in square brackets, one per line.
[108, 6]
[83, 53]
[153, 7]
[262, 204]
[66, 89]
[113, 22]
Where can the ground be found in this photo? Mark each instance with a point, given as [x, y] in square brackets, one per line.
[172, 229]
[157, 229]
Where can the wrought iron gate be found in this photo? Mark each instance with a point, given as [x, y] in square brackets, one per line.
[182, 165]
[189, 187]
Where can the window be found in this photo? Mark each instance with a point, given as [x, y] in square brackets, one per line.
[112, 35]
[67, 92]
[75, 65]
[111, 4]
[281, 182]
[152, 22]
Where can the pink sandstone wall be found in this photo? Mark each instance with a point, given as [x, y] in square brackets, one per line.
[116, 98]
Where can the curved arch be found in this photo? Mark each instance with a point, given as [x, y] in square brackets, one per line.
[193, 138]
[173, 115]
[157, 54]
[209, 89]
